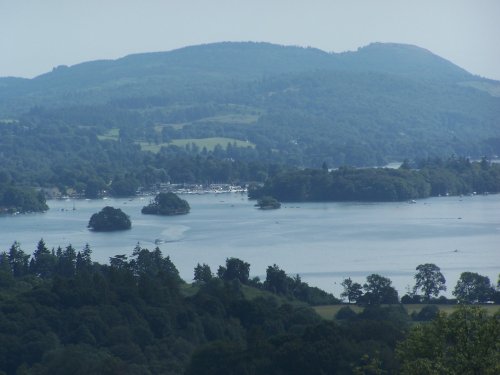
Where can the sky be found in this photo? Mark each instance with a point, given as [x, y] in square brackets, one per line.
[37, 35]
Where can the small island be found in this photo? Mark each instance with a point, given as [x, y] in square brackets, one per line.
[268, 203]
[167, 204]
[109, 219]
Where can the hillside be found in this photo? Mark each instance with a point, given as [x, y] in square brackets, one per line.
[221, 61]
[290, 105]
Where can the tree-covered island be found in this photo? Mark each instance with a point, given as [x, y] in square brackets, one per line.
[109, 219]
[436, 177]
[14, 199]
[268, 203]
[167, 204]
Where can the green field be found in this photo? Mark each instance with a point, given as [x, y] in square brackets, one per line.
[208, 143]
[7, 121]
[159, 128]
[231, 118]
[328, 311]
[111, 135]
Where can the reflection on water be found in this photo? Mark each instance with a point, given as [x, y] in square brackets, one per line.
[324, 242]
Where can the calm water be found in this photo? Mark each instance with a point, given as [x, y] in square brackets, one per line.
[323, 242]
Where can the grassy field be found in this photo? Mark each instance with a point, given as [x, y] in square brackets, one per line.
[231, 118]
[7, 121]
[110, 135]
[329, 311]
[208, 143]
[159, 128]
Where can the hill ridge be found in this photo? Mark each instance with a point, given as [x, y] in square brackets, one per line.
[217, 47]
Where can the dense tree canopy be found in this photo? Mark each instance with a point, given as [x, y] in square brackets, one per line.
[16, 199]
[268, 203]
[465, 342]
[109, 219]
[61, 312]
[167, 204]
[456, 176]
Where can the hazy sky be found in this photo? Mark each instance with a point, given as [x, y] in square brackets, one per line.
[36, 35]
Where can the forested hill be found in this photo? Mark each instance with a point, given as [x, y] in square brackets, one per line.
[285, 104]
[230, 60]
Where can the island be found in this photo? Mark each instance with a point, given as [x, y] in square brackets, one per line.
[14, 200]
[167, 204]
[109, 219]
[429, 178]
[268, 203]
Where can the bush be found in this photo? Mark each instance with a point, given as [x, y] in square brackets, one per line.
[345, 313]
[427, 313]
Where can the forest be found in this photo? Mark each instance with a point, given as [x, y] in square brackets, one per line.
[455, 176]
[62, 313]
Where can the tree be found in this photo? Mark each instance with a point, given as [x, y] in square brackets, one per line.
[94, 188]
[66, 262]
[465, 342]
[202, 273]
[84, 260]
[473, 288]
[119, 262]
[18, 260]
[430, 280]
[153, 263]
[352, 291]
[277, 281]
[379, 290]
[43, 261]
[109, 219]
[124, 186]
[235, 269]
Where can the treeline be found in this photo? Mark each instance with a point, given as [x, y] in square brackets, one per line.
[15, 199]
[432, 178]
[62, 313]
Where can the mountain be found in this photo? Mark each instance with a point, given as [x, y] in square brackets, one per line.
[219, 61]
[295, 105]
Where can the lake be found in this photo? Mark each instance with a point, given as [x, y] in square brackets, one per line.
[323, 242]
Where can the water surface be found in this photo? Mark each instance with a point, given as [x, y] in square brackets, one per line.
[323, 242]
